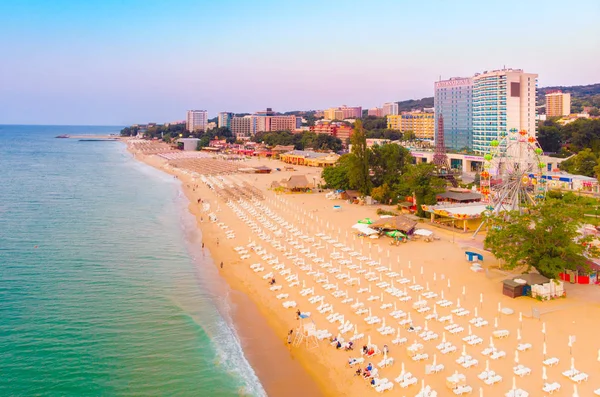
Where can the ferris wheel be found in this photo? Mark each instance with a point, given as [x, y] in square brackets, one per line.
[512, 176]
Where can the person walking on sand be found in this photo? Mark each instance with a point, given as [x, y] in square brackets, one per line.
[289, 337]
[217, 242]
[221, 265]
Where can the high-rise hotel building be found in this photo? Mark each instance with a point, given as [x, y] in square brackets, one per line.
[453, 99]
[502, 100]
[389, 108]
[421, 124]
[224, 120]
[196, 120]
[558, 104]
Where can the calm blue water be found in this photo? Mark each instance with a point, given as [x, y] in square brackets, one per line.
[103, 291]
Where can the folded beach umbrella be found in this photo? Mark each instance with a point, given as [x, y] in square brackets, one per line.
[395, 234]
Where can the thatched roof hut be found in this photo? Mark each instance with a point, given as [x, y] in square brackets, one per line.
[400, 222]
[295, 183]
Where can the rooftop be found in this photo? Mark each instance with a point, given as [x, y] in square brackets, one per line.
[460, 196]
[308, 154]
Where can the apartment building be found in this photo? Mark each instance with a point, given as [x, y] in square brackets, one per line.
[558, 104]
[196, 120]
[422, 124]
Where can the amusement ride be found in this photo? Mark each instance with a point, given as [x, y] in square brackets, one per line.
[512, 178]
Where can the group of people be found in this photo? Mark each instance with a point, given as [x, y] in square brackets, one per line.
[338, 344]
[366, 351]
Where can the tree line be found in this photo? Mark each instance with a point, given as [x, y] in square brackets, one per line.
[386, 172]
[579, 139]
[301, 141]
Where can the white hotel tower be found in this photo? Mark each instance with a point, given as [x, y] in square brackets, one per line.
[196, 120]
[502, 100]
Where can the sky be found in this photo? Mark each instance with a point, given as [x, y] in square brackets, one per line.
[121, 62]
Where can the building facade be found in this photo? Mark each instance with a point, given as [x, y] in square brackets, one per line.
[284, 123]
[422, 124]
[375, 112]
[243, 127]
[196, 120]
[343, 112]
[224, 120]
[558, 104]
[338, 130]
[453, 99]
[502, 100]
[389, 108]
[277, 123]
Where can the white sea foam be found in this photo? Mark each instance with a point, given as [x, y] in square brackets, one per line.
[221, 330]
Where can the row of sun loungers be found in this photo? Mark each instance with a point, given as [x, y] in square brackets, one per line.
[420, 306]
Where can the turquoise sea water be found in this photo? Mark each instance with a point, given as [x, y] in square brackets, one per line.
[104, 290]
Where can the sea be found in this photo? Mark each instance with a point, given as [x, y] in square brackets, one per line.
[104, 287]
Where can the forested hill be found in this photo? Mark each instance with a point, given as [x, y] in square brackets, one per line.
[581, 95]
[410, 104]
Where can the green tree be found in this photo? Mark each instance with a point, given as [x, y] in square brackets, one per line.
[359, 169]
[388, 162]
[374, 123]
[337, 177]
[545, 237]
[409, 136]
[203, 142]
[549, 138]
[583, 163]
[421, 181]
[382, 193]
[582, 133]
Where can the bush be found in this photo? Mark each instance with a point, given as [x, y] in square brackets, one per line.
[381, 211]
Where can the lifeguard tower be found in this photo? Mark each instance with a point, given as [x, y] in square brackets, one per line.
[306, 332]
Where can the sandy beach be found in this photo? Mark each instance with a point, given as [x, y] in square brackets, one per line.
[429, 269]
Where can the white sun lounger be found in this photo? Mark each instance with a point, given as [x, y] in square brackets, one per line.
[552, 387]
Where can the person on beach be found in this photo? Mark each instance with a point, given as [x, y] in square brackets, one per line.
[289, 337]
[221, 265]
[298, 314]
[386, 350]
[358, 372]
[217, 242]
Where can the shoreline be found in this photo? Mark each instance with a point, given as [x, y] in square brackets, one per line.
[327, 367]
[280, 371]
